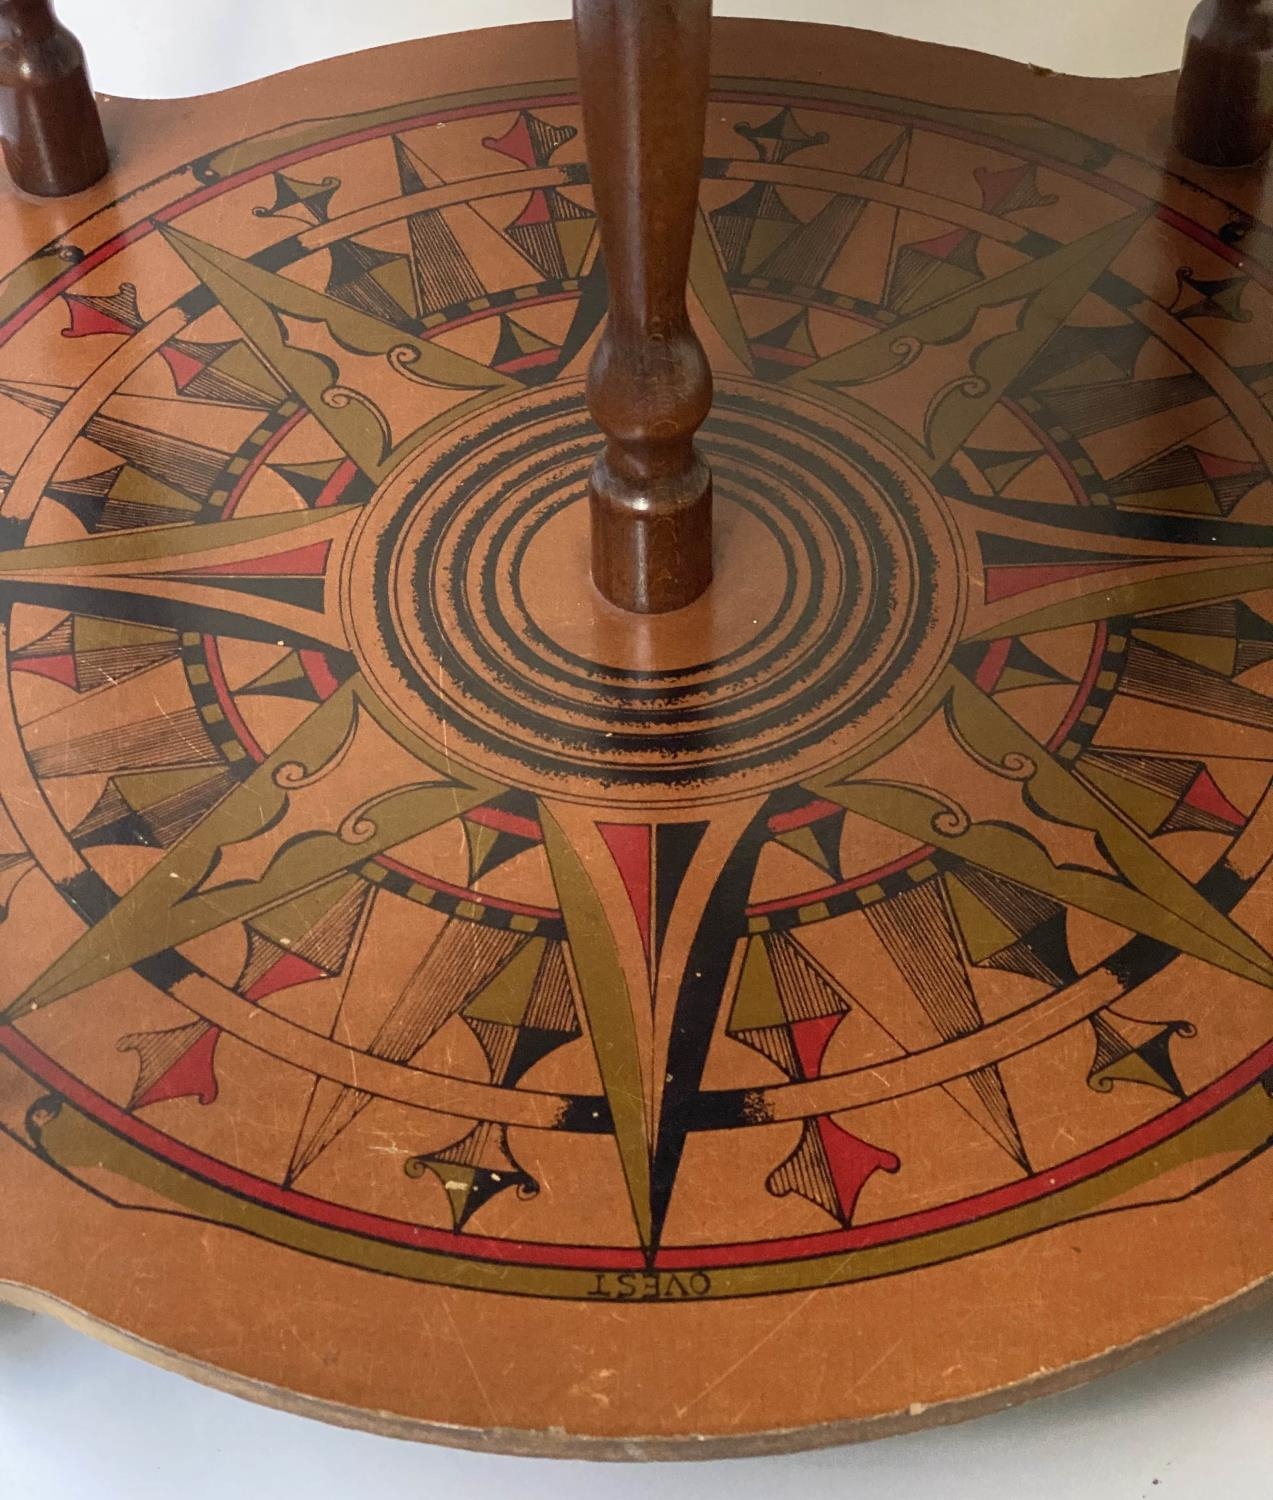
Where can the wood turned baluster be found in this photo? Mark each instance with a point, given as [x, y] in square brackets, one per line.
[49, 125]
[1224, 108]
[643, 69]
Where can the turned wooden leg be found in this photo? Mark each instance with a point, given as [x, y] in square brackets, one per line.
[643, 68]
[49, 125]
[1224, 109]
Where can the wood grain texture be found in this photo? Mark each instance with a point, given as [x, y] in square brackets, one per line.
[439, 1001]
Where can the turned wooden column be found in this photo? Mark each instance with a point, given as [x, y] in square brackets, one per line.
[49, 125]
[1224, 108]
[643, 70]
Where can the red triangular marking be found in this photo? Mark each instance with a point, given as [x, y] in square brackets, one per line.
[290, 970]
[995, 186]
[1205, 796]
[535, 212]
[193, 1074]
[853, 1163]
[515, 142]
[55, 668]
[943, 246]
[1007, 582]
[184, 366]
[811, 1039]
[630, 847]
[1215, 467]
[305, 562]
[86, 321]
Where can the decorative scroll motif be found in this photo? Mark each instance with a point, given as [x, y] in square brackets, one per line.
[831, 918]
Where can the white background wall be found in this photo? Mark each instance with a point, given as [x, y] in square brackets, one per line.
[79, 1420]
[166, 47]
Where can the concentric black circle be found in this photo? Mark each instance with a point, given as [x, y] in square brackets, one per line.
[853, 616]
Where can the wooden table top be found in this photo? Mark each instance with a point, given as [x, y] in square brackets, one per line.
[438, 1002]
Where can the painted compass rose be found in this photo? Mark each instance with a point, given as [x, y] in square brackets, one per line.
[373, 888]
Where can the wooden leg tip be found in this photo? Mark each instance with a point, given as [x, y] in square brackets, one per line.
[651, 562]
